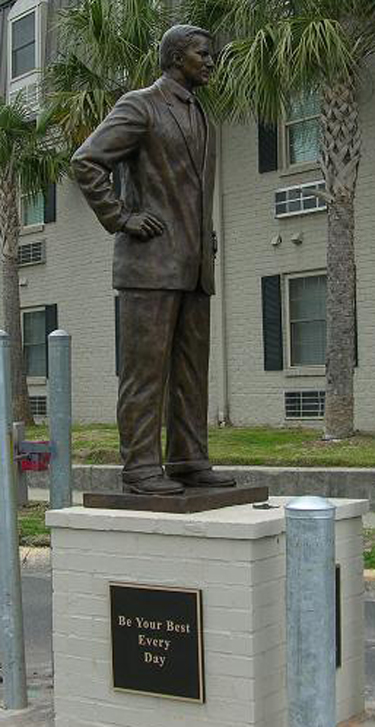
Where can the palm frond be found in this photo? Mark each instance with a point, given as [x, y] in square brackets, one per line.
[110, 37]
[249, 79]
[321, 51]
[41, 164]
[30, 155]
[280, 57]
[109, 48]
[77, 113]
[13, 116]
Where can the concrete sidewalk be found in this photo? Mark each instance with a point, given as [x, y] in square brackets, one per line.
[367, 720]
[40, 714]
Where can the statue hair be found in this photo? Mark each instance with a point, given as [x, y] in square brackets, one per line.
[177, 38]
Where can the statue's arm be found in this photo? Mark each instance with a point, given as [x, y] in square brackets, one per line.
[115, 139]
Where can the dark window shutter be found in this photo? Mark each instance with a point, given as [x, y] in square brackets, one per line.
[272, 323]
[117, 334]
[50, 203]
[267, 147]
[51, 325]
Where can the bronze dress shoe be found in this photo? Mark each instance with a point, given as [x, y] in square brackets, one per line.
[205, 478]
[156, 485]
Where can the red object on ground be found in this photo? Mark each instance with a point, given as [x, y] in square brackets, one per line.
[36, 461]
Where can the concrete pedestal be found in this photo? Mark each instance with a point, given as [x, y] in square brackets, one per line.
[236, 556]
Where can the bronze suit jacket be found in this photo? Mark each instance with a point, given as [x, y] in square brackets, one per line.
[146, 135]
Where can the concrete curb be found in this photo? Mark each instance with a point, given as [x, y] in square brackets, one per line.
[356, 483]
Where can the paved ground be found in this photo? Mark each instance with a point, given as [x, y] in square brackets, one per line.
[36, 586]
[367, 720]
[36, 593]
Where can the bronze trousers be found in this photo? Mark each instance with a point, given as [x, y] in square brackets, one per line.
[164, 337]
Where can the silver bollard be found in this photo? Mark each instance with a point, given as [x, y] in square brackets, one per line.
[60, 418]
[310, 598]
[22, 489]
[12, 636]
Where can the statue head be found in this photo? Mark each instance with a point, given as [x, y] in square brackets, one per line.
[185, 53]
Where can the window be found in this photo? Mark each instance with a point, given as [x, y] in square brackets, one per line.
[299, 200]
[38, 406]
[23, 45]
[39, 209]
[304, 404]
[32, 210]
[307, 320]
[37, 324]
[34, 342]
[302, 130]
[32, 253]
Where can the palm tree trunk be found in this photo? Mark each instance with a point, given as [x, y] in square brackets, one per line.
[9, 234]
[340, 156]
[341, 285]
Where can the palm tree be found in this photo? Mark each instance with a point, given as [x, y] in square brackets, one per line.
[270, 51]
[28, 162]
[106, 48]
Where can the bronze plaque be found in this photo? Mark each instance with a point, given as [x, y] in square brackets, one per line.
[157, 641]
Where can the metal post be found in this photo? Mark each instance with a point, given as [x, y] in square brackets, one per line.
[12, 636]
[310, 578]
[18, 437]
[60, 418]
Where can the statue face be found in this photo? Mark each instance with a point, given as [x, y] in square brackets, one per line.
[196, 63]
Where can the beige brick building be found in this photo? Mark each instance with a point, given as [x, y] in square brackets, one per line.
[268, 317]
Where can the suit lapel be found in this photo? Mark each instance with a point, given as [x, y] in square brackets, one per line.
[180, 121]
[206, 136]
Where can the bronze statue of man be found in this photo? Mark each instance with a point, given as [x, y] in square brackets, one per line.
[160, 140]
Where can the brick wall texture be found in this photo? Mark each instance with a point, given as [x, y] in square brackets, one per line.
[243, 588]
[77, 276]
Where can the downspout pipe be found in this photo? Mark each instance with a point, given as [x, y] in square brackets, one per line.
[222, 361]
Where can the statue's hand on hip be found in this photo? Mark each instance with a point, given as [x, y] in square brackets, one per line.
[144, 226]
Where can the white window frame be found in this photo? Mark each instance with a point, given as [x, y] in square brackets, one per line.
[288, 166]
[40, 417]
[301, 418]
[299, 369]
[42, 258]
[36, 227]
[29, 82]
[321, 208]
[33, 380]
[34, 70]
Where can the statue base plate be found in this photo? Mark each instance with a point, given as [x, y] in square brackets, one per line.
[194, 499]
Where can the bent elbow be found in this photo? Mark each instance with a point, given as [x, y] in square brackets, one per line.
[78, 164]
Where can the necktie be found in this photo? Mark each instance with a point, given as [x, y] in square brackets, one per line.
[197, 132]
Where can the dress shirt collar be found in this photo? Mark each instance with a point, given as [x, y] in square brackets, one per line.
[177, 90]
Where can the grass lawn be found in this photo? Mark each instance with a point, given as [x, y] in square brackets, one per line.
[369, 548]
[31, 527]
[98, 444]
